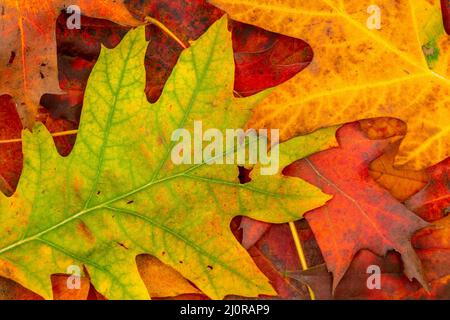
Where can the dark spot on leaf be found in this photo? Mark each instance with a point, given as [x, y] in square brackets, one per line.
[122, 245]
[244, 175]
[11, 58]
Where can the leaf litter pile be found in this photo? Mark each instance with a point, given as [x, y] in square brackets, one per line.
[87, 181]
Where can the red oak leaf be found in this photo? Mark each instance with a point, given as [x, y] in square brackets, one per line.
[361, 215]
[433, 248]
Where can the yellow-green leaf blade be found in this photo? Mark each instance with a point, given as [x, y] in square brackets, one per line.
[118, 194]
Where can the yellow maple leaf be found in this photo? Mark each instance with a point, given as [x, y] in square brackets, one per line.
[400, 70]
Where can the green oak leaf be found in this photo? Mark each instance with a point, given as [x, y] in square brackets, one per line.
[118, 194]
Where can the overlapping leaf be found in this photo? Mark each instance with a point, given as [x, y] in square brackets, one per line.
[28, 63]
[10, 155]
[361, 215]
[400, 70]
[432, 247]
[263, 59]
[401, 183]
[118, 194]
[433, 202]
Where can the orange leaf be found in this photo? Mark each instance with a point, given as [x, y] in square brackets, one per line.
[401, 183]
[162, 280]
[28, 63]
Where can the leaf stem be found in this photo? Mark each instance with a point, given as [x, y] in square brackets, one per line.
[301, 255]
[55, 134]
[161, 26]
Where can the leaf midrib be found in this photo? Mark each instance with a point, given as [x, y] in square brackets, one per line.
[192, 100]
[351, 199]
[106, 205]
[23, 45]
[152, 183]
[107, 130]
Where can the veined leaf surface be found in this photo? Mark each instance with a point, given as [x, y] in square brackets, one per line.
[118, 194]
[400, 70]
